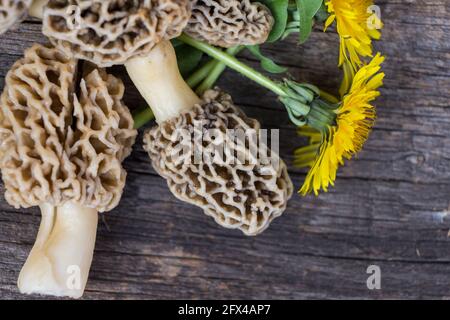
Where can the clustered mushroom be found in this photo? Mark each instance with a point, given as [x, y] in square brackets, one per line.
[13, 11]
[114, 31]
[62, 147]
[108, 33]
[63, 141]
[228, 23]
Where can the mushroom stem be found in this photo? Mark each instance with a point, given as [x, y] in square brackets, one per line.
[36, 9]
[61, 257]
[203, 79]
[159, 81]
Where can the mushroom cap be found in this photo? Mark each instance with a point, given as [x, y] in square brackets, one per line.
[228, 23]
[12, 11]
[110, 32]
[57, 145]
[238, 194]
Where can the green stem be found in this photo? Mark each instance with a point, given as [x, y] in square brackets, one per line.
[329, 97]
[234, 64]
[142, 116]
[216, 71]
[198, 76]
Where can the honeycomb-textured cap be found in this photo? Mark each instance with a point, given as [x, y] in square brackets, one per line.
[56, 145]
[227, 23]
[238, 192]
[110, 32]
[11, 12]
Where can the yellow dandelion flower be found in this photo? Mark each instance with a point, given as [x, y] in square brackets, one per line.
[357, 26]
[355, 117]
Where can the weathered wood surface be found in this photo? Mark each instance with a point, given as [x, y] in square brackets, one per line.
[390, 207]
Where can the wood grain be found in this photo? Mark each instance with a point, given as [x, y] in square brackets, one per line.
[390, 207]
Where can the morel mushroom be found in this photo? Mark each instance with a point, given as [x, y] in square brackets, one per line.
[13, 11]
[245, 195]
[112, 32]
[62, 147]
[228, 23]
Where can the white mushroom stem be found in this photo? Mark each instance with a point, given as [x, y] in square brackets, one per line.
[159, 81]
[61, 257]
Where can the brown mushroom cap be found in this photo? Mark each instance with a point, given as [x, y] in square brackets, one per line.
[57, 146]
[246, 195]
[227, 23]
[12, 11]
[109, 32]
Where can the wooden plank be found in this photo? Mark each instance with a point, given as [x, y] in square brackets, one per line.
[390, 207]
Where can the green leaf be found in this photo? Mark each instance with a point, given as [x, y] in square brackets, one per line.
[188, 58]
[266, 63]
[307, 9]
[279, 9]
